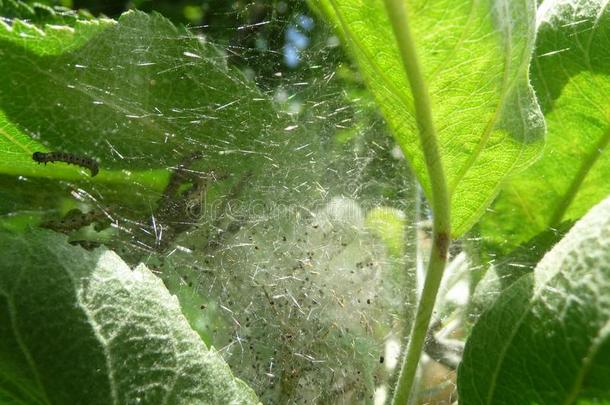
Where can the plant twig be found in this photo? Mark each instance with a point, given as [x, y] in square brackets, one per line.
[439, 199]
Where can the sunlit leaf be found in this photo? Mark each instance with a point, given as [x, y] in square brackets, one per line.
[546, 340]
[571, 75]
[475, 59]
[93, 86]
[82, 327]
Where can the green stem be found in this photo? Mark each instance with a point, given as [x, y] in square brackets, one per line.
[439, 199]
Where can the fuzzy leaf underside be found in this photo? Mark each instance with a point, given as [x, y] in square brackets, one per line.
[546, 340]
[82, 327]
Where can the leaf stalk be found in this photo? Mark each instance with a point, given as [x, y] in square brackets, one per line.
[439, 199]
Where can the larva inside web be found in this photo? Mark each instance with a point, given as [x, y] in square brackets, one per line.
[82, 161]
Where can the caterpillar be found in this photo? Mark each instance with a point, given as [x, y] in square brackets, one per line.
[76, 219]
[69, 158]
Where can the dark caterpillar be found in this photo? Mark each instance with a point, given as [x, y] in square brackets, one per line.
[69, 158]
[76, 219]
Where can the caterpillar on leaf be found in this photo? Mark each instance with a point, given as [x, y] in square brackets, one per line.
[82, 161]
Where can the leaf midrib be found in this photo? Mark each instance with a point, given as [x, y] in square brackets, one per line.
[533, 300]
[95, 329]
[507, 85]
[585, 168]
[596, 152]
[604, 332]
[14, 141]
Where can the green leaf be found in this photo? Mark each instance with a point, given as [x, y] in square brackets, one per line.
[475, 59]
[503, 272]
[138, 94]
[82, 327]
[571, 75]
[547, 338]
